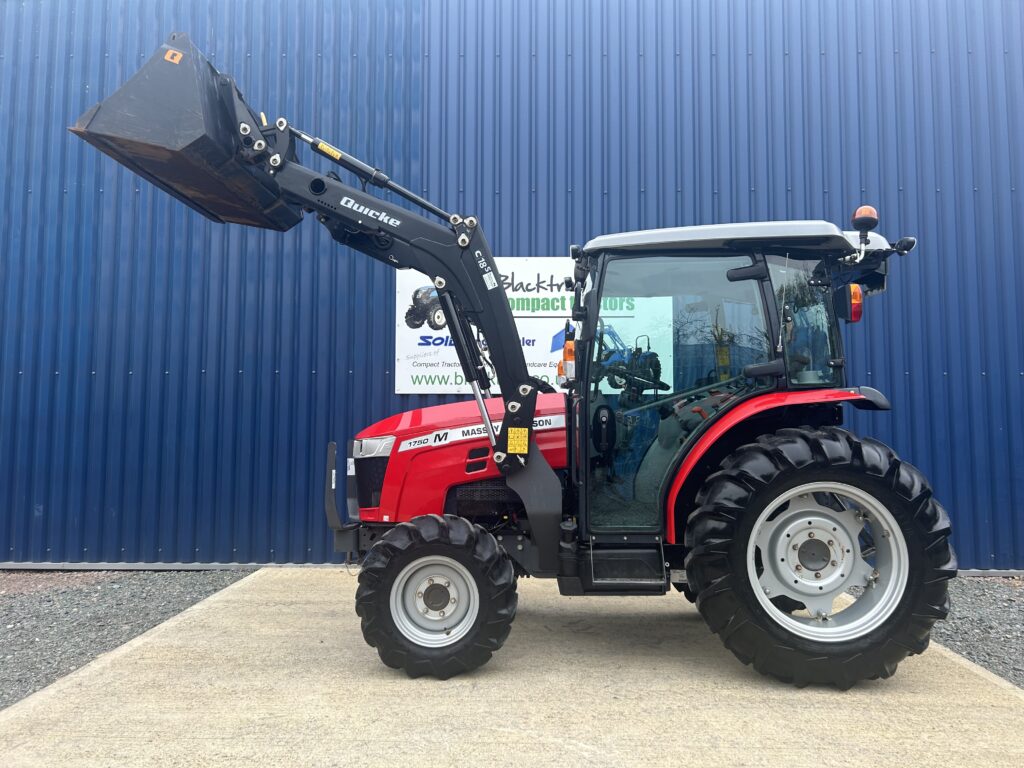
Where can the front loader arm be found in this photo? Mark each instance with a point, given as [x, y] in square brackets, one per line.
[459, 261]
[455, 255]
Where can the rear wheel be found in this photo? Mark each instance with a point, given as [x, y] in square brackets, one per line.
[819, 557]
[437, 596]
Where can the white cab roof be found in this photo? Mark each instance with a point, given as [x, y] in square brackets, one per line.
[817, 235]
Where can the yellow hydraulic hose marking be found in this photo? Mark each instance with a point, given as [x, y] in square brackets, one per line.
[327, 149]
[518, 440]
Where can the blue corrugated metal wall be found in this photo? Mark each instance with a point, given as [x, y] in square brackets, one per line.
[167, 385]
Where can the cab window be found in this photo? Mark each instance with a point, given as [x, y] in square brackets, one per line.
[807, 333]
[672, 338]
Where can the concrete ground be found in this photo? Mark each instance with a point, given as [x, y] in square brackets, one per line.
[273, 671]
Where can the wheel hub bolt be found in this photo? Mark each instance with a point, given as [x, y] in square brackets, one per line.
[833, 563]
[796, 547]
[430, 581]
[810, 535]
[830, 543]
[426, 611]
[419, 594]
[447, 584]
[441, 612]
[817, 575]
[799, 567]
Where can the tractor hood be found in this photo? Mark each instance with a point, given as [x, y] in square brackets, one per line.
[464, 417]
[405, 465]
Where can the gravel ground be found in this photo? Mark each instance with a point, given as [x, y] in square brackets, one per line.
[986, 624]
[53, 622]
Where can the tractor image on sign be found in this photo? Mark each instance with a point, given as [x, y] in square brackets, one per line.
[425, 308]
[708, 457]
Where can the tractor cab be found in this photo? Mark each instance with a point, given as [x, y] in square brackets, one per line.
[721, 314]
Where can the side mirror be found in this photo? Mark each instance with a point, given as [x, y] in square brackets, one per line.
[580, 273]
[774, 368]
[905, 245]
[579, 270]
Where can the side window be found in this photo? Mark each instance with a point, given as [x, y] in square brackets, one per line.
[807, 331]
[672, 339]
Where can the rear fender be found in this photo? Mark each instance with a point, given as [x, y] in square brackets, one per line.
[692, 469]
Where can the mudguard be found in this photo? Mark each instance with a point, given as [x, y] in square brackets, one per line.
[860, 397]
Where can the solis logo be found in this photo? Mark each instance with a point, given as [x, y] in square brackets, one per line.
[435, 341]
[370, 213]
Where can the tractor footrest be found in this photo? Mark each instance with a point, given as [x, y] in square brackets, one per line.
[620, 570]
[633, 565]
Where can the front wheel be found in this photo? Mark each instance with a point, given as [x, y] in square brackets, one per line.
[819, 557]
[415, 317]
[437, 596]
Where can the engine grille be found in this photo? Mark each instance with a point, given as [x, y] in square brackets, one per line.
[370, 480]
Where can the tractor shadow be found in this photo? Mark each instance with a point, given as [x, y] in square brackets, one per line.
[675, 640]
[622, 636]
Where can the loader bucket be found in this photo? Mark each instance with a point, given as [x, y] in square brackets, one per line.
[173, 123]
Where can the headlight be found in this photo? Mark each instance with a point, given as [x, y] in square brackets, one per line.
[369, 447]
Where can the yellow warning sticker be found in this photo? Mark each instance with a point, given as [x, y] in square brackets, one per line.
[173, 56]
[327, 149]
[518, 440]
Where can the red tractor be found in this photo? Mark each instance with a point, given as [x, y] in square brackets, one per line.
[718, 467]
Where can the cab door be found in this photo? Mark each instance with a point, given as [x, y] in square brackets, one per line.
[669, 343]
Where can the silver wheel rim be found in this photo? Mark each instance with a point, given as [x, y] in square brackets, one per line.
[434, 601]
[438, 317]
[837, 550]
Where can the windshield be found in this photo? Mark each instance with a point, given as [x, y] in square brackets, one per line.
[807, 332]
